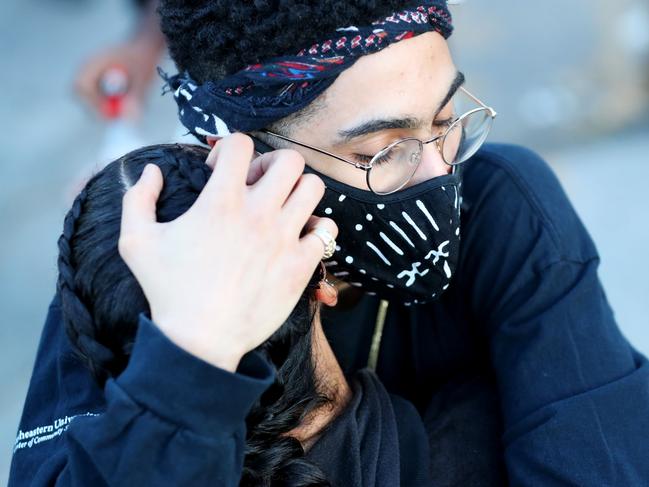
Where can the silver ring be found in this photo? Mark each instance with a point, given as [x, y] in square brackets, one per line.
[328, 241]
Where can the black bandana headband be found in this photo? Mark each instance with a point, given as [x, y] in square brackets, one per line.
[261, 94]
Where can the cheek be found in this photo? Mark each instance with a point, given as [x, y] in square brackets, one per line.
[339, 170]
[327, 165]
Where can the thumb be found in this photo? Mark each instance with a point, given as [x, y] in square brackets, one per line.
[139, 202]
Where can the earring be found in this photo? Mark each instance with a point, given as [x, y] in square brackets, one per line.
[319, 275]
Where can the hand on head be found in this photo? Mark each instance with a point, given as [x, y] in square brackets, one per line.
[225, 275]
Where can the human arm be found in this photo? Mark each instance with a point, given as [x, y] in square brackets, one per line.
[179, 422]
[572, 389]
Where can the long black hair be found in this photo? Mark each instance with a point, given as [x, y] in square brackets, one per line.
[101, 301]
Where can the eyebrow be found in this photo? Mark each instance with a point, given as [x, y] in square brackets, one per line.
[411, 123]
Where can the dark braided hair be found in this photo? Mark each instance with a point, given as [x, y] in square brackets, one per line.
[101, 301]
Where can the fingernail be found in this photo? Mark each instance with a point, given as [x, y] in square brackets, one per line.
[147, 170]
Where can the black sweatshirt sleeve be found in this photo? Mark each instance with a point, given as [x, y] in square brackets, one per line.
[169, 419]
[574, 392]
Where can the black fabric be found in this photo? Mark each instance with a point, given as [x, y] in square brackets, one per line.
[368, 430]
[527, 314]
[463, 424]
[402, 246]
[153, 425]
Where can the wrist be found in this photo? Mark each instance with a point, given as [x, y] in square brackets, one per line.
[212, 350]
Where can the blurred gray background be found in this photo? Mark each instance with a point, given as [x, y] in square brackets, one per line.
[569, 79]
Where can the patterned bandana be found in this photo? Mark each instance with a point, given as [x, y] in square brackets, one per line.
[261, 94]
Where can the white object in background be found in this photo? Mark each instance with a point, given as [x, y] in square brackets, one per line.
[121, 135]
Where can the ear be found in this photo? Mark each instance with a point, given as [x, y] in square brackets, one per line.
[212, 140]
[327, 293]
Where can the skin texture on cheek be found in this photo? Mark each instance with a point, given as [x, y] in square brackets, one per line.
[407, 79]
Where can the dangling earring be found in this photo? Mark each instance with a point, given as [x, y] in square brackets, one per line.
[326, 291]
[318, 276]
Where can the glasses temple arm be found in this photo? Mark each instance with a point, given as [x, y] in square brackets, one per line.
[322, 151]
[478, 101]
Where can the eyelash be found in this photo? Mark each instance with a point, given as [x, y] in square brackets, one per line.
[437, 123]
[365, 158]
[443, 123]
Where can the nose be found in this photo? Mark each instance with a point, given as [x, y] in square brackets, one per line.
[432, 165]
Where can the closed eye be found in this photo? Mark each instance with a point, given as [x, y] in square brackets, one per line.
[443, 122]
[365, 158]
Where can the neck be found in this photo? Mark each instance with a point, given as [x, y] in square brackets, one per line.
[332, 382]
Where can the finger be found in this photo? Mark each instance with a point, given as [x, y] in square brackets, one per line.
[310, 224]
[233, 157]
[282, 170]
[214, 152]
[139, 202]
[301, 203]
[258, 167]
[232, 160]
[312, 247]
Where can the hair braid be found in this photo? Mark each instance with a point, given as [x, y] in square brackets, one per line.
[102, 299]
[81, 329]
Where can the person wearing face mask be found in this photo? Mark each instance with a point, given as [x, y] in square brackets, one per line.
[468, 282]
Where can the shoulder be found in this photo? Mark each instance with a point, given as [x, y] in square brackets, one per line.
[513, 191]
[60, 389]
[60, 385]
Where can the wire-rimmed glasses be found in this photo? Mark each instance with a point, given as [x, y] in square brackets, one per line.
[392, 167]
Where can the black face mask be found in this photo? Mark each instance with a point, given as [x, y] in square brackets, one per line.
[403, 246]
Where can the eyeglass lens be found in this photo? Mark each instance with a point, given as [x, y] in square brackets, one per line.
[394, 166]
[465, 136]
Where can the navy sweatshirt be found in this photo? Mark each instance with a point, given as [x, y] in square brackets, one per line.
[566, 401]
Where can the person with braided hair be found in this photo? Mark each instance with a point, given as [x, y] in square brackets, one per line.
[467, 282]
[186, 426]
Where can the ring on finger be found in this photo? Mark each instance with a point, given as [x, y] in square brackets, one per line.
[327, 239]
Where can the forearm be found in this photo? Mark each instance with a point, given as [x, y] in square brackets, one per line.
[170, 419]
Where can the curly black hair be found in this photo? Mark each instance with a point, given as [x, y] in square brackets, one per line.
[214, 38]
[211, 39]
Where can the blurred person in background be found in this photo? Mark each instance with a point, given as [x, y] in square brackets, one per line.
[513, 323]
[138, 56]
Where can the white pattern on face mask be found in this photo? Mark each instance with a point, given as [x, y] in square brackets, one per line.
[405, 249]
